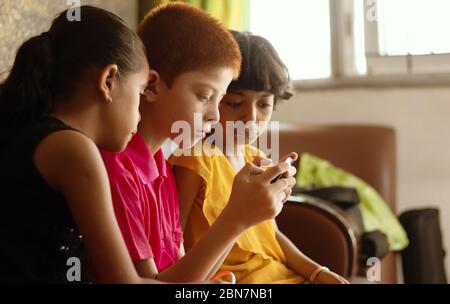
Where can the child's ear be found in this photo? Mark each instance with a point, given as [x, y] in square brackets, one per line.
[107, 81]
[152, 89]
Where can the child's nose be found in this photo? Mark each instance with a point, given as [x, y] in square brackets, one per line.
[213, 115]
[250, 114]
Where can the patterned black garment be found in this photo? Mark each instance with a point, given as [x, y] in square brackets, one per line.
[38, 235]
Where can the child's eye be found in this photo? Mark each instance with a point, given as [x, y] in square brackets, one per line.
[204, 98]
[265, 105]
[234, 104]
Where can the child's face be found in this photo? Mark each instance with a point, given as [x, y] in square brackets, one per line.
[254, 108]
[193, 92]
[122, 115]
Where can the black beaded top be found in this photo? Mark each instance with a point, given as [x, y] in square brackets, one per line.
[38, 236]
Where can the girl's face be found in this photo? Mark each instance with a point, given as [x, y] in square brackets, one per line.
[122, 116]
[253, 108]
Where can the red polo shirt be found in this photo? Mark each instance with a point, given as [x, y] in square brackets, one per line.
[145, 202]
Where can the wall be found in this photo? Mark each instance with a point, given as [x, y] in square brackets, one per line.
[421, 117]
[22, 19]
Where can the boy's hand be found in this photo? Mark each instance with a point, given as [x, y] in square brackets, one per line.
[254, 198]
[329, 277]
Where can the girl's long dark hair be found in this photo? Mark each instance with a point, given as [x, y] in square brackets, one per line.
[52, 64]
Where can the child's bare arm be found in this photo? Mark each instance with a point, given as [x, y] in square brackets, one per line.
[71, 164]
[219, 262]
[188, 185]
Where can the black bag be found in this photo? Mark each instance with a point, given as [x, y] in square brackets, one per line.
[423, 259]
[344, 197]
[374, 243]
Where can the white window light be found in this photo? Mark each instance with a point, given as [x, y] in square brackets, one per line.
[407, 37]
[358, 42]
[299, 31]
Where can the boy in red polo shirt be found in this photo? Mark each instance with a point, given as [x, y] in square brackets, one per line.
[193, 58]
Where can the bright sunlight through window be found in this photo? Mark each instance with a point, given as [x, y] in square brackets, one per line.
[300, 32]
[415, 27]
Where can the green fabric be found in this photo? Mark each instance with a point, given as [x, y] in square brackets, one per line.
[234, 14]
[376, 214]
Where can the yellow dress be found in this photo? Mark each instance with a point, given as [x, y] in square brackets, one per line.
[256, 257]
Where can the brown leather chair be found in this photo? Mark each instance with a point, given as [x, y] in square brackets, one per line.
[366, 151]
[333, 242]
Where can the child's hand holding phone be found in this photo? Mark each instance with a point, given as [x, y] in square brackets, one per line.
[289, 173]
[289, 159]
[256, 195]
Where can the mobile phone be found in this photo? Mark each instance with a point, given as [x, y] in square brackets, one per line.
[289, 160]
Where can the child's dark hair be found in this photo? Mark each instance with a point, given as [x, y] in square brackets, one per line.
[261, 68]
[50, 65]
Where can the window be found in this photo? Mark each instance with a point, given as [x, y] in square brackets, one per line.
[408, 37]
[287, 25]
[416, 27]
[358, 41]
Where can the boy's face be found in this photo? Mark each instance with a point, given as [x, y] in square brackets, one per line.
[253, 108]
[192, 92]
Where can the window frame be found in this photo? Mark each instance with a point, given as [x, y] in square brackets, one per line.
[382, 71]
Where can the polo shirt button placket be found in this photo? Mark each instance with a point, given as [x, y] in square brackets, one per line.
[159, 182]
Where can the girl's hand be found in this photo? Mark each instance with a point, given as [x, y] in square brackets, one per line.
[291, 173]
[292, 170]
[329, 277]
[254, 198]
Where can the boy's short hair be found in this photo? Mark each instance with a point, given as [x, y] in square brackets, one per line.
[180, 38]
[262, 68]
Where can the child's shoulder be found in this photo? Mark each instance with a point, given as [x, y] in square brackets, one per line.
[201, 159]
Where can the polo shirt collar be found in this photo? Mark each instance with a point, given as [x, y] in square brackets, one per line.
[148, 167]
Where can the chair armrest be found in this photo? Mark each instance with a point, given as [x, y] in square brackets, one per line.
[320, 232]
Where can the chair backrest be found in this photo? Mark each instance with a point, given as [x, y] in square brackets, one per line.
[320, 233]
[368, 152]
